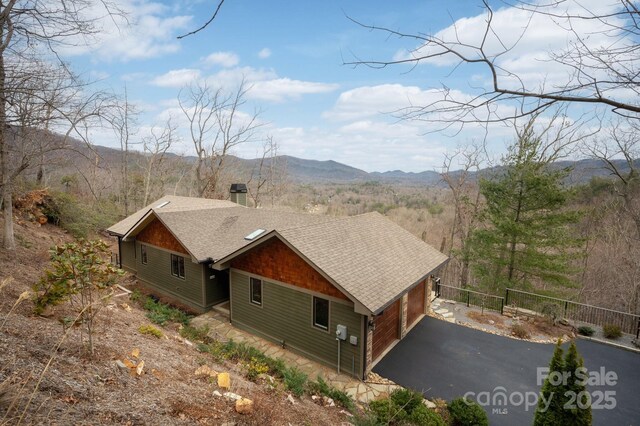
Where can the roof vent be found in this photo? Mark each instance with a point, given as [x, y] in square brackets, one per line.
[161, 205]
[254, 234]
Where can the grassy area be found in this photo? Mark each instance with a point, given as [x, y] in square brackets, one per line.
[161, 313]
[254, 361]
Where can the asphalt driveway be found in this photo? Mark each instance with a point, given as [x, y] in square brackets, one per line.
[446, 360]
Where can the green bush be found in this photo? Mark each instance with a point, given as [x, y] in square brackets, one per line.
[585, 330]
[404, 406]
[161, 313]
[612, 331]
[294, 380]
[195, 334]
[467, 413]
[385, 411]
[423, 416]
[150, 330]
[406, 399]
[321, 387]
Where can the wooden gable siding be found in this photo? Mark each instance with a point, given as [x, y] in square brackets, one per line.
[158, 235]
[273, 259]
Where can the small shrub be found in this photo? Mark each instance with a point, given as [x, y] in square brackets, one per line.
[295, 381]
[150, 330]
[404, 406]
[195, 334]
[321, 387]
[585, 330]
[406, 399]
[612, 331]
[520, 331]
[135, 295]
[161, 313]
[467, 413]
[255, 368]
[385, 411]
[423, 416]
[276, 366]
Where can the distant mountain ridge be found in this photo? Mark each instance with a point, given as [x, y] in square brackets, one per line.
[307, 171]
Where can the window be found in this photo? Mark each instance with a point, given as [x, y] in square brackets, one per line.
[321, 313]
[143, 254]
[256, 291]
[177, 266]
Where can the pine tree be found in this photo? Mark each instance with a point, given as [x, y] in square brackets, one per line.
[581, 414]
[554, 414]
[527, 233]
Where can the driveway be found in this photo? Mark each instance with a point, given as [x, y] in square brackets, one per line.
[447, 360]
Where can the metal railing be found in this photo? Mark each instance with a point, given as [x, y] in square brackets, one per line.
[470, 297]
[543, 305]
[562, 308]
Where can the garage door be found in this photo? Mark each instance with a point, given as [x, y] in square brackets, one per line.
[415, 303]
[387, 326]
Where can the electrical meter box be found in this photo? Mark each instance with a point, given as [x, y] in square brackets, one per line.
[341, 332]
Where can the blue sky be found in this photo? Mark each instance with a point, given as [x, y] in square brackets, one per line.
[292, 54]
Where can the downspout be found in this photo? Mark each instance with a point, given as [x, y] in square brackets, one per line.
[338, 339]
[119, 252]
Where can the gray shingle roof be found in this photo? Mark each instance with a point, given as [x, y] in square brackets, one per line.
[371, 258]
[175, 203]
[211, 234]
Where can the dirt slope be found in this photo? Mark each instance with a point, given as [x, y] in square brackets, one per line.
[78, 390]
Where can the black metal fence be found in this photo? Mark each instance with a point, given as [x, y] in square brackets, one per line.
[470, 297]
[561, 308]
[544, 305]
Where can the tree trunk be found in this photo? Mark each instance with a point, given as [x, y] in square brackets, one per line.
[8, 237]
[8, 240]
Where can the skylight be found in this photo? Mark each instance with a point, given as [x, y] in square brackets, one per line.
[254, 234]
[161, 205]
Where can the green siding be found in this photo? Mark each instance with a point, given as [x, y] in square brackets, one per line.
[286, 315]
[157, 273]
[128, 254]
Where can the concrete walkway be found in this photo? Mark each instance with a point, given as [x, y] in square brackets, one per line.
[362, 391]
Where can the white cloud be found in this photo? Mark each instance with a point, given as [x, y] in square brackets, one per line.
[281, 89]
[177, 78]
[266, 85]
[264, 53]
[532, 40]
[224, 59]
[147, 30]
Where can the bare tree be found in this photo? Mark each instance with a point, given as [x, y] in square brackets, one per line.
[268, 174]
[206, 24]
[216, 126]
[155, 149]
[124, 122]
[29, 29]
[599, 64]
[460, 173]
[620, 154]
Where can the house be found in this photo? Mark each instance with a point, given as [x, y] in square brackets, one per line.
[341, 291]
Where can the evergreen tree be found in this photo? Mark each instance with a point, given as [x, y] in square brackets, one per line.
[553, 414]
[581, 414]
[527, 233]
